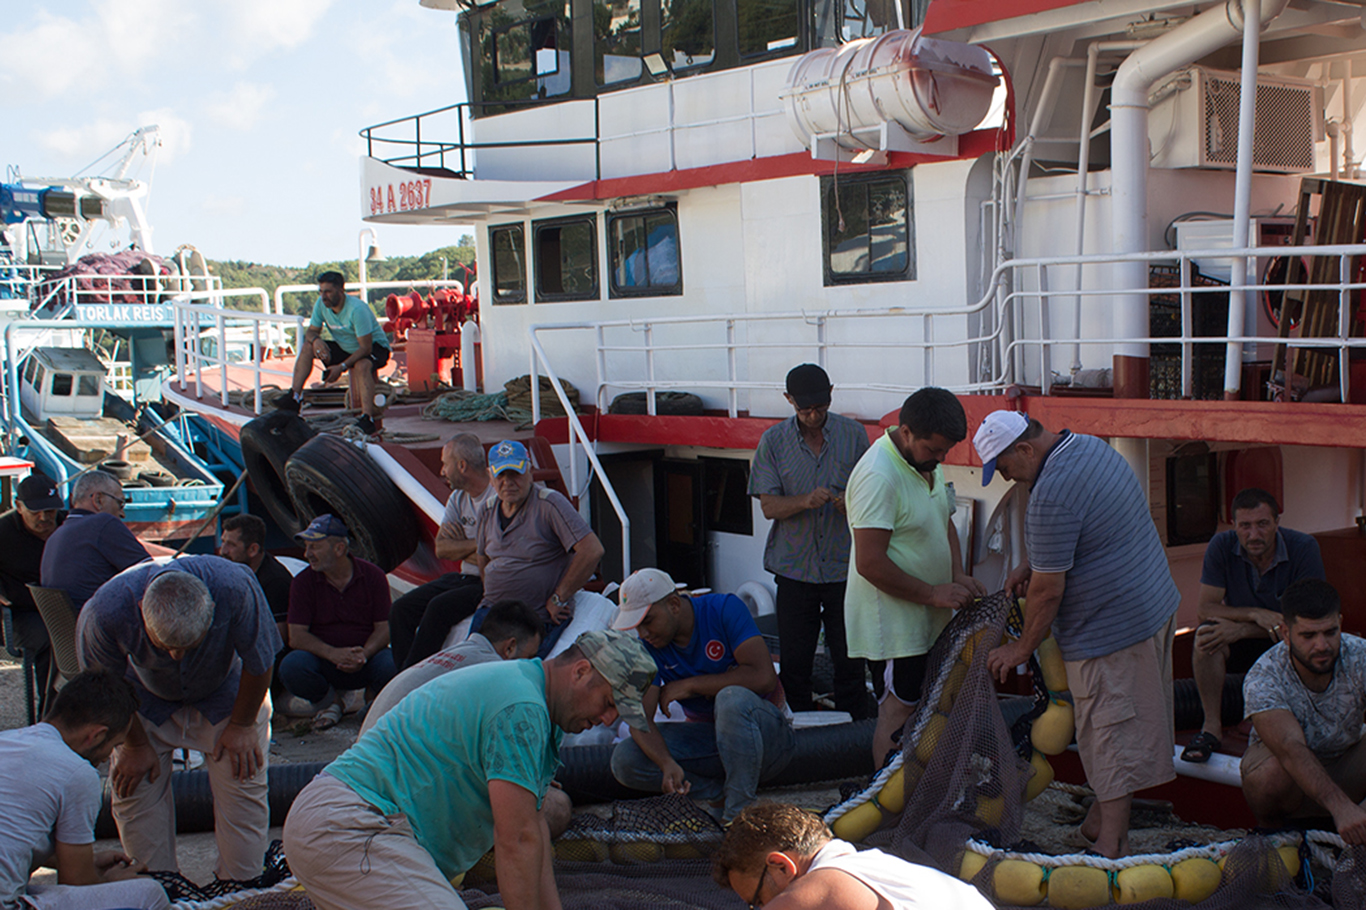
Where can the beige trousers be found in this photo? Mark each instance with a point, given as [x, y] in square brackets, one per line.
[241, 813]
[348, 854]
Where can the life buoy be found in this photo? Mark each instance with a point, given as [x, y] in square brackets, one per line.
[267, 442]
[327, 474]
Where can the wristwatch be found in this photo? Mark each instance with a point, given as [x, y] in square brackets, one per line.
[555, 598]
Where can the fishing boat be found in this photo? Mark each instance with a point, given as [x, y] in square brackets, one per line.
[1137, 220]
[85, 346]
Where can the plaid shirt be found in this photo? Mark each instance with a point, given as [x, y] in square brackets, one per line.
[813, 545]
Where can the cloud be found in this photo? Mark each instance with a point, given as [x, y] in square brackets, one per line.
[241, 107]
[220, 206]
[98, 137]
[268, 24]
[52, 54]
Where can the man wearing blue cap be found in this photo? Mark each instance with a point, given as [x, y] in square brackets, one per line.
[338, 623]
[531, 544]
[1097, 575]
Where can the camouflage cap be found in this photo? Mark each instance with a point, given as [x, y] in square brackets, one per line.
[628, 668]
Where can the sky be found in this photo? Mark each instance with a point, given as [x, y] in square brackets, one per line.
[259, 104]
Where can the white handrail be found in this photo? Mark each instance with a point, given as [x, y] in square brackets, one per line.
[190, 358]
[411, 284]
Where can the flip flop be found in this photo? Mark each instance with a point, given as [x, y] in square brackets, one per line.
[1200, 748]
[328, 717]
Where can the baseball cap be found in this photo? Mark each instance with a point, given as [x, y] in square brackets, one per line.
[628, 668]
[509, 455]
[38, 493]
[643, 588]
[808, 385]
[994, 436]
[323, 526]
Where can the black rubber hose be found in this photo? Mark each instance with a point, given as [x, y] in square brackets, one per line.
[1186, 703]
[834, 752]
[194, 800]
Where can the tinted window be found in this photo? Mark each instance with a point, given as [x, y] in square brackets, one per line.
[767, 26]
[687, 32]
[644, 251]
[61, 383]
[29, 369]
[89, 385]
[616, 41]
[868, 229]
[509, 263]
[524, 51]
[566, 260]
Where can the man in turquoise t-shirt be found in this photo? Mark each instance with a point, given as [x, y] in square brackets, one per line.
[460, 765]
[358, 346]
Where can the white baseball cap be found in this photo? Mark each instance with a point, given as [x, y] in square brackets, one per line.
[994, 436]
[639, 592]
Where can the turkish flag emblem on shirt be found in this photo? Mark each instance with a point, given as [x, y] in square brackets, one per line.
[715, 650]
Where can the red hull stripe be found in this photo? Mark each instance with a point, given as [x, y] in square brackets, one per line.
[948, 15]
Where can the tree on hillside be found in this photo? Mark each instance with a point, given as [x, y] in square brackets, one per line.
[417, 269]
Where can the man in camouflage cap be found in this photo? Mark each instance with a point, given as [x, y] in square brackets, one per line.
[460, 765]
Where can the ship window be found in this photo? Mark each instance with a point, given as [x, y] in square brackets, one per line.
[29, 369]
[616, 41]
[533, 49]
[89, 384]
[767, 26]
[725, 494]
[687, 32]
[38, 376]
[509, 263]
[868, 231]
[1192, 498]
[566, 259]
[61, 384]
[644, 251]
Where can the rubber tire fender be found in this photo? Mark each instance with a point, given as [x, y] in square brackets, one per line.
[328, 474]
[267, 442]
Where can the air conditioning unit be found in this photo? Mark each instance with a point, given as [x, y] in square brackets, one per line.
[1193, 122]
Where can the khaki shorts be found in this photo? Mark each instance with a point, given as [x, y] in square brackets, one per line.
[1348, 771]
[1125, 726]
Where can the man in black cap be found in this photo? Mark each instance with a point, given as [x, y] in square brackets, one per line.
[24, 531]
[800, 469]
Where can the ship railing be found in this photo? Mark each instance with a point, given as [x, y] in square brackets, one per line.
[399, 142]
[363, 287]
[195, 322]
[1014, 340]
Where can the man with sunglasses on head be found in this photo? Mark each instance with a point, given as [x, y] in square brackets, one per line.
[93, 544]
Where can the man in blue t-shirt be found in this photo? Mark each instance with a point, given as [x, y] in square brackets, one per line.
[358, 346]
[1247, 568]
[714, 664]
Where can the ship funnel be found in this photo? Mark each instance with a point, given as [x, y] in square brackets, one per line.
[899, 91]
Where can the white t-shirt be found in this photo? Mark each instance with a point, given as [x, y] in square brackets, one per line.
[50, 794]
[903, 885]
[462, 510]
[1331, 719]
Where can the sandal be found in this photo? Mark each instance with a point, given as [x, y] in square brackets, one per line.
[1200, 748]
[328, 717]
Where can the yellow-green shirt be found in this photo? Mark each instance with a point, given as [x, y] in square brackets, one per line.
[886, 493]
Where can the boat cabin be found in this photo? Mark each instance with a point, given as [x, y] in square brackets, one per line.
[66, 382]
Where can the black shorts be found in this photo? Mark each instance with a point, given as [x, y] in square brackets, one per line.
[908, 675]
[379, 355]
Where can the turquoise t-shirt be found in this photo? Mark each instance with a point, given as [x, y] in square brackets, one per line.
[431, 758]
[354, 320]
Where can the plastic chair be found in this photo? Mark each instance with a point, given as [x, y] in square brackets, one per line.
[54, 604]
[14, 649]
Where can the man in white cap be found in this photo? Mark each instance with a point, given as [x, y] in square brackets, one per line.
[714, 664]
[1097, 575]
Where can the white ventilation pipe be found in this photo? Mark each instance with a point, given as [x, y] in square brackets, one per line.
[1211, 30]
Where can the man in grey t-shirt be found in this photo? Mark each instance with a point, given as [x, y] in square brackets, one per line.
[1306, 698]
[421, 619]
[52, 796]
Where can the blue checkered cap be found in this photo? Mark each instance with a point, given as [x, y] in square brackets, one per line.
[628, 668]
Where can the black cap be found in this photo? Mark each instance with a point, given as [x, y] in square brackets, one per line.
[38, 493]
[808, 385]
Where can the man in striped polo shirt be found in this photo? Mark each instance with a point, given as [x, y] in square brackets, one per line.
[801, 467]
[1096, 573]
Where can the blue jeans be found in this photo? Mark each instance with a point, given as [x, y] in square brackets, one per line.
[749, 742]
[311, 677]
